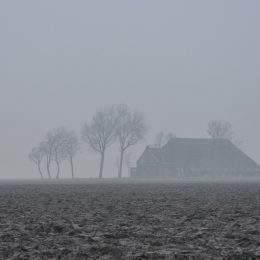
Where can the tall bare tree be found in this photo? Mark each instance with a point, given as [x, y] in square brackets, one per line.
[46, 149]
[36, 156]
[70, 149]
[56, 141]
[100, 133]
[130, 130]
[55, 148]
[220, 130]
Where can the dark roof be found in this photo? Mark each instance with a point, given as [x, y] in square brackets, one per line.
[150, 155]
[200, 153]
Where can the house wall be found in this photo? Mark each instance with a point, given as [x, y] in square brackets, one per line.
[158, 171]
[164, 171]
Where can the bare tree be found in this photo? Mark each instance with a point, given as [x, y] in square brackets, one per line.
[55, 148]
[55, 141]
[130, 130]
[58, 145]
[36, 156]
[70, 149]
[220, 130]
[100, 133]
[161, 139]
[46, 149]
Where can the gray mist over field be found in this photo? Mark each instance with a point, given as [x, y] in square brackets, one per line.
[183, 63]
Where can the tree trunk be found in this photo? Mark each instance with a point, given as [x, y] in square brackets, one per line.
[58, 169]
[40, 171]
[48, 169]
[101, 165]
[72, 167]
[121, 164]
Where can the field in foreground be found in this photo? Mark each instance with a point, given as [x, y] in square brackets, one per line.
[130, 221]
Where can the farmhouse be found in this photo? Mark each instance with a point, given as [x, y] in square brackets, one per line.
[186, 157]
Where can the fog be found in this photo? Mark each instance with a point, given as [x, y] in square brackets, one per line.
[183, 63]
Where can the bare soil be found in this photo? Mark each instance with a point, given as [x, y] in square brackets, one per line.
[130, 221]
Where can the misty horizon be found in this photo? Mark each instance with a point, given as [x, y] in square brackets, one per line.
[178, 62]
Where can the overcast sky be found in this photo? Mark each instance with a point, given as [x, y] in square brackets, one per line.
[182, 63]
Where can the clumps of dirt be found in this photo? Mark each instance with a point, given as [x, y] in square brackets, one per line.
[130, 221]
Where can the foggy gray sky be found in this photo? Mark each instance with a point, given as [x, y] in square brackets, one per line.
[181, 62]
